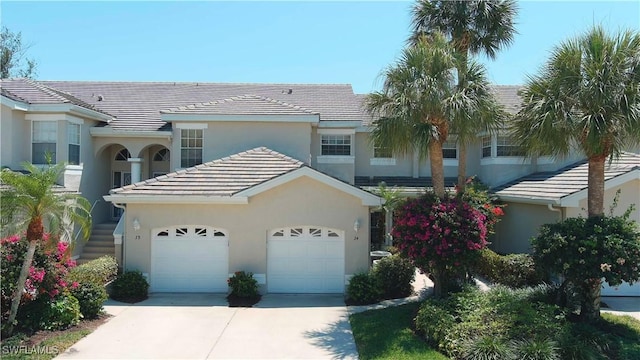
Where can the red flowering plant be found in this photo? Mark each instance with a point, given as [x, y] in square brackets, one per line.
[47, 273]
[442, 236]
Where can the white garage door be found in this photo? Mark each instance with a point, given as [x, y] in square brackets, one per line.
[189, 259]
[305, 260]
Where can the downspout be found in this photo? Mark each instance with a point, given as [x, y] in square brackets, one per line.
[551, 208]
[124, 230]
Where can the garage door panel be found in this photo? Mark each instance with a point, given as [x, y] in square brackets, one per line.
[305, 260]
[189, 260]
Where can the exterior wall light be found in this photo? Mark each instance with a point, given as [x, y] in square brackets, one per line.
[136, 224]
[356, 225]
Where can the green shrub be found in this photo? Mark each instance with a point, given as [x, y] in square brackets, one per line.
[99, 271]
[243, 285]
[63, 312]
[130, 287]
[536, 349]
[433, 322]
[363, 289]
[487, 348]
[91, 297]
[394, 275]
[513, 270]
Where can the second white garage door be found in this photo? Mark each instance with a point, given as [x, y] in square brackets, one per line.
[189, 259]
[305, 259]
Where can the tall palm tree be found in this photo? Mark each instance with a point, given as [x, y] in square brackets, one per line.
[586, 96]
[473, 27]
[420, 98]
[30, 202]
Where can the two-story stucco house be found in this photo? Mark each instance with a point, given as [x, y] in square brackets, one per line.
[193, 181]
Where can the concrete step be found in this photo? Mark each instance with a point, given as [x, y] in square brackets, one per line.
[101, 242]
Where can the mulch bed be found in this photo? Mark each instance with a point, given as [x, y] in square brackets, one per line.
[236, 301]
[42, 335]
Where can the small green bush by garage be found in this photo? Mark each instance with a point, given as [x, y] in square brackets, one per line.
[394, 275]
[91, 297]
[131, 287]
[363, 289]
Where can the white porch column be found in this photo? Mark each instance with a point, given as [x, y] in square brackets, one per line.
[136, 169]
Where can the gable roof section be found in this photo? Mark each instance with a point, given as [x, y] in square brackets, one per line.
[242, 105]
[567, 186]
[230, 180]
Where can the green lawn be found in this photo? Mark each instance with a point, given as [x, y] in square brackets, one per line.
[387, 334]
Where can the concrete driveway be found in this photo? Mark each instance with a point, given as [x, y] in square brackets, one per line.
[201, 326]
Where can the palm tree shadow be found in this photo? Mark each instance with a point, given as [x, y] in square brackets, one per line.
[336, 338]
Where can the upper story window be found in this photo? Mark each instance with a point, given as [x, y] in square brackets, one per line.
[73, 138]
[486, 146]
[161, 155]
[190, 147]
[506, 146]
[123, 155]
[449, 149]
[336, 145]
[43, 141]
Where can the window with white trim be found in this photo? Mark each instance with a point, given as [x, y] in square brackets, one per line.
[73, 138]
[506, 146]
[486, 146]
[449, 149]
[190, 147]
[43, 141]
[336, 145]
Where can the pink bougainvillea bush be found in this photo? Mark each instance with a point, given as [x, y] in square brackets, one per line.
[442, 236]
[46, 281]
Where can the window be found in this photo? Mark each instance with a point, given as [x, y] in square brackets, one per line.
[382, 152]
[191, 147]
[161, 155]
[449, 149]
[123, 155]
[486, 146]
[507, 147]
[73, 137]
[336, 145]
[43, 143]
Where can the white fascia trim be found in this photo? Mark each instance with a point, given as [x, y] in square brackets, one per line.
[109, 132]
[71, 109]
[505, 160]
[13, 104]
[176, 199]
[382, 161]
[573, 200]
[336, 159]
[311, 118]
[368, 199]
[54, 117]
[191, 126]
[339, 124]
[336, 131]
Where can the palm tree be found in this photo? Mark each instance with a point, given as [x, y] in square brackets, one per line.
[586, 96]
[472, 27]
[30, 202]
[420, 99]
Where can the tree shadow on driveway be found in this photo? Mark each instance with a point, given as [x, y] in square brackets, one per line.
[336, 339]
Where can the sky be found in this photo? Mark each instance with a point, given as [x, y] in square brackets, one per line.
[270, 42]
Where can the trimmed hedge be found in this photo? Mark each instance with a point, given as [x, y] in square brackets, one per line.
[513, 270]
[363, 289]
[394, 275]
[130, 287]
[91, 297]
[99, 271]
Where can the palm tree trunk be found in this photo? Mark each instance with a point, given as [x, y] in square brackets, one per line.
[17, 295]
[437, 167]
[462, 167]
[595, 191]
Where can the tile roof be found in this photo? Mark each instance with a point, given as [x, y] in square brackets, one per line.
[506, 95]
[223, 177]
[242, 105]
[137, 105]
[553, 186]
[404, 184]
[33, 92]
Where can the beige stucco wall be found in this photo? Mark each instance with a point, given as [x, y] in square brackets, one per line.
[519, 224]
[629, 195]
[303, 201]
[227, 138]
[15, 138]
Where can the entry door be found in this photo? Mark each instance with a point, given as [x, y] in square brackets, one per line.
[120, 179]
